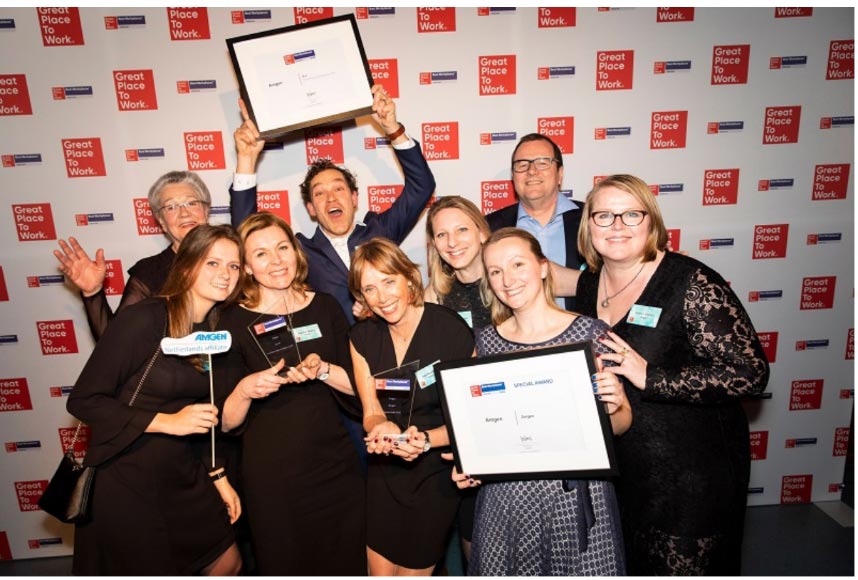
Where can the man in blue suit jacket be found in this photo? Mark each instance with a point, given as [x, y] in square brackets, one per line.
[329, 193]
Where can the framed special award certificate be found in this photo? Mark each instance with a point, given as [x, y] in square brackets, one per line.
[527, 415]
[303, 75]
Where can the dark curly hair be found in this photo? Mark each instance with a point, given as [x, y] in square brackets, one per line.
[320, 166]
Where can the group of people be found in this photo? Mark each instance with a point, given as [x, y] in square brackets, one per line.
[337, 461]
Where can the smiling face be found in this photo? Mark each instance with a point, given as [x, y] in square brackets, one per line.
[534, 186]
[387, 295]
[176, 224]
[515, 274]
[216, 278]
[271, 258]
[457, 238]
[332, 204]
[618, 242]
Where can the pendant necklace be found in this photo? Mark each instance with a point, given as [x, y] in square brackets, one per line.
[608, 299]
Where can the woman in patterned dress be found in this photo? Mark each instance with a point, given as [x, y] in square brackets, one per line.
[543, 527]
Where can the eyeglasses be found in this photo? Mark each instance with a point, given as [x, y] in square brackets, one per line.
[605, 219]
[541, 164]
[190, 205]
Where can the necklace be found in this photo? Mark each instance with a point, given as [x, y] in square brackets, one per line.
[402, 337]
[608, 299]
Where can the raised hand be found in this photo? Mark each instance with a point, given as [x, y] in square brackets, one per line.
[75, 263]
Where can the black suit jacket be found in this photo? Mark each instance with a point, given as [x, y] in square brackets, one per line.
[508, 217]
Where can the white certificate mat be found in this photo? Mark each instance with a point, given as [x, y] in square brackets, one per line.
[527, 415]
[304, 75]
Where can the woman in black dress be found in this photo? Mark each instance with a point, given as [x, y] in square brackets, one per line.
[411, 502]
[303, 490]
[155, 510]
[688, 353]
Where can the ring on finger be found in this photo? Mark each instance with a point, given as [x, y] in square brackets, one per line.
[624, 352]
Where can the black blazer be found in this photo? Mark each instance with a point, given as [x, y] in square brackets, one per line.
[508, 216]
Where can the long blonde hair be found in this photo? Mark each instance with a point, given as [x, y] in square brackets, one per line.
[441, 274]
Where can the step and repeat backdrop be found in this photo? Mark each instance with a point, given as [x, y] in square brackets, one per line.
[741, 120]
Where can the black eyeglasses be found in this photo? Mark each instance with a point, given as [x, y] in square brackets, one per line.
[541, 164]
[605, 219]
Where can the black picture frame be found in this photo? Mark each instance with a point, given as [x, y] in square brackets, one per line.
[343, 92]
[458, 399]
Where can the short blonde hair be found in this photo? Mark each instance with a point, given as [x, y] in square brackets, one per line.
[657, 236]
[500, 311]
[386, 257]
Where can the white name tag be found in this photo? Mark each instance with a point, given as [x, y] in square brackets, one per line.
[308, 332]
[426, 376]
[644, 315]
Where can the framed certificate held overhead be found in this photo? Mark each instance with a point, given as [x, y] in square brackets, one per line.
[527, 415]
[304, 75]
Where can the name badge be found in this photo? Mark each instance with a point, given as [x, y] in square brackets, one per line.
[393, 384]
[308, 332]
[644, 315]
[426, 376]
[467, 317]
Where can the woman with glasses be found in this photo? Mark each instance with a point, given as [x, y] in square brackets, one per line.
[411, 502]
[180, 201]
[304, 492]
[688, 354]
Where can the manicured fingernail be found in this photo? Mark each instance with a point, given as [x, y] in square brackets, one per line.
[599, 397]
[595, 387]
[592, 377]
[470, 481]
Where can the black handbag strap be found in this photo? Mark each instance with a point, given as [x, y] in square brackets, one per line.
[148, 368]
[145, 374]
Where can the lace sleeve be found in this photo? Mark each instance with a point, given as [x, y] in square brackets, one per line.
[729, 359]
[135, 291]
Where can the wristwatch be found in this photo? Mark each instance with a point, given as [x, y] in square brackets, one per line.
[427, 445]
[324, 375]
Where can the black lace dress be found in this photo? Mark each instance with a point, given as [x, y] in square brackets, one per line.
[685, 463]
[465, 299]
